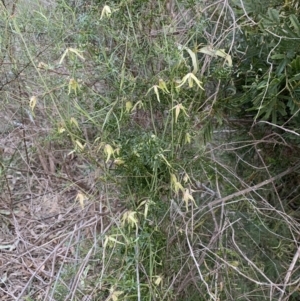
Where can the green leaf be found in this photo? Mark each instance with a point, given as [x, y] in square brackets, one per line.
[295, 23]
[278, 56]
[296, 77]
[280, 106]
[281, 66]
[295, 64]
[274, 15]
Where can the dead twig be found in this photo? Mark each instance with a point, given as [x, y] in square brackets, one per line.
[253, 188]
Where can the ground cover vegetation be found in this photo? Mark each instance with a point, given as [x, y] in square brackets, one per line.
[149, 150]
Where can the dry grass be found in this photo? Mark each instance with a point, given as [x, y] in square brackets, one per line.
[43, 224]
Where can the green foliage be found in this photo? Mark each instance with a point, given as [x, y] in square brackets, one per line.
[266, 78]
[151, 151]
[146, 161]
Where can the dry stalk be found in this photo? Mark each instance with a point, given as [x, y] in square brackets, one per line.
[253, 188]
